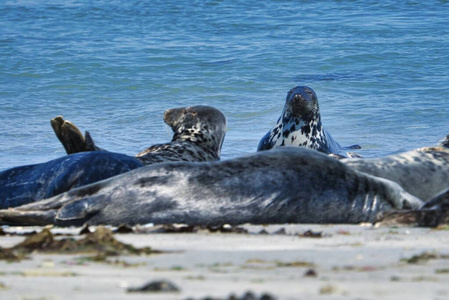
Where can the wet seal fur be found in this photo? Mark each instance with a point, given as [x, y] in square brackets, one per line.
[423, 172]
[285, 185]
[199, 132]
[198, 136]
[300, 125]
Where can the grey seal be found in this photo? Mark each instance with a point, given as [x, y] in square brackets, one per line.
[285, 185]
[198, 136]
[300, 125]
[423, 172]
[199, 132]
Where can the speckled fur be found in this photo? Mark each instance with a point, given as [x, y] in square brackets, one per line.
[198, 136]
[300, 125]
[423, 172]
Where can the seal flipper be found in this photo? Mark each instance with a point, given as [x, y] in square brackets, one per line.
[266, 143]
[352, 147]
[13, 217]
[80, 211]
[71, 137]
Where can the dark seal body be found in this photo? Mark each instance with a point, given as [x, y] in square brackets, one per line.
[300, 125]
[31, 183]
[286, 185]
[198, 136]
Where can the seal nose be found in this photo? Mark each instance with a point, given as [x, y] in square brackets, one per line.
[167, 115]
[296, 98]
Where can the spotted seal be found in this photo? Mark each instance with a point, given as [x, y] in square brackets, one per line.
[423, 172]
[199, 132]
[300, 125]
[198, 136]
[285, 185]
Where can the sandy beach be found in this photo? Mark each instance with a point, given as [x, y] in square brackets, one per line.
[277, 261]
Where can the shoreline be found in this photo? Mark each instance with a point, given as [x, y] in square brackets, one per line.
[329, 262]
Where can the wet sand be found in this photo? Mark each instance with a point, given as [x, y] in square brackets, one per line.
[298, 262]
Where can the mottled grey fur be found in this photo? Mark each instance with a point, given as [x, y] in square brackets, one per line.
[423, 173]
[300, 125]
[199, 132]
[286, 185]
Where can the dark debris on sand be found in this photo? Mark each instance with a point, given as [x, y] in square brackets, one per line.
[183, 228]
[100, 243]
[158, 286]
[246, 296]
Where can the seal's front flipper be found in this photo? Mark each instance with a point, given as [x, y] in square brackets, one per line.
[352, 147]
[15, 217]
[79, 212]
[71, 137]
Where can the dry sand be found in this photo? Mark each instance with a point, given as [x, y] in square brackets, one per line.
[346, 262]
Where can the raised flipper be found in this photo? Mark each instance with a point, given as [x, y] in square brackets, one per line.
[71, 137]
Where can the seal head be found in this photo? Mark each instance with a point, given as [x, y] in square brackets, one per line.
[300, 125]
[199, 132]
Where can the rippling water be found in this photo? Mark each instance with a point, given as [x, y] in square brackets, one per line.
[380, 69]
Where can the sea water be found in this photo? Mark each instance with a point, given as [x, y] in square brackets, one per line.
[380, 70]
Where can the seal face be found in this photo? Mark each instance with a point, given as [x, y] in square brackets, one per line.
[285, 185]
[199, 132]
[300, 125]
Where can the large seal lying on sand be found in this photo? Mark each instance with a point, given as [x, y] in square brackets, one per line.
[285, 185]
[198, 136]
[300, 125]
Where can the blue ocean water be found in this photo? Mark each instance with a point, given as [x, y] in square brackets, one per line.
[380, 70]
